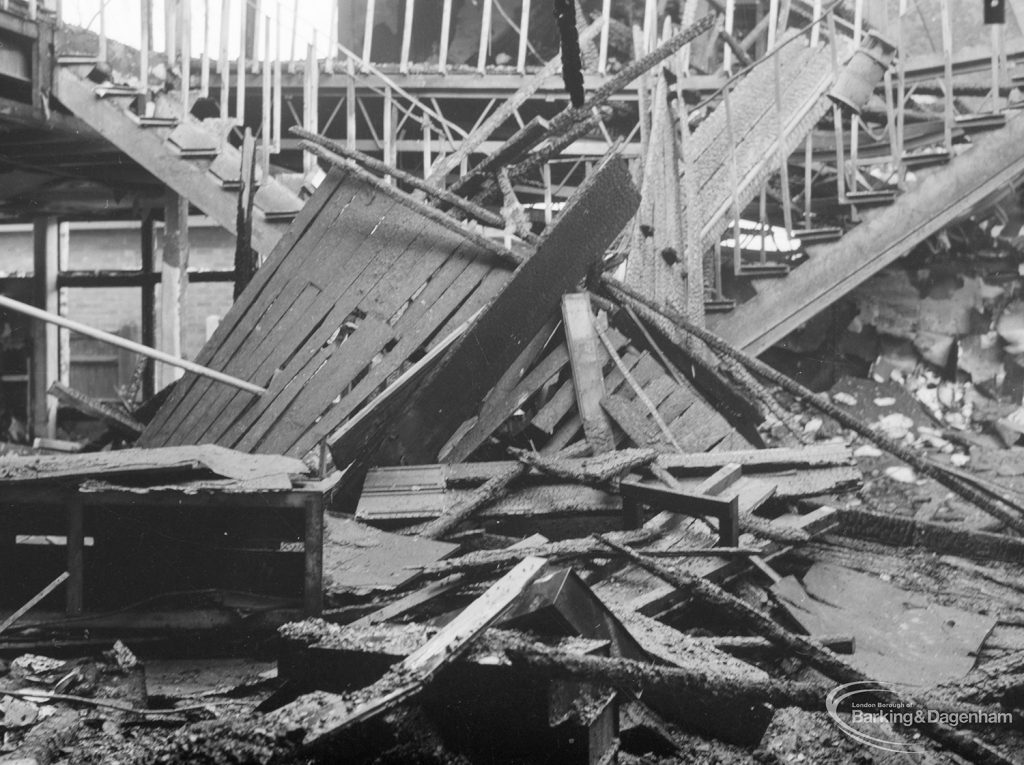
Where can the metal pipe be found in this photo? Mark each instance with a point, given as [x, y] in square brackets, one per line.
[128, 345]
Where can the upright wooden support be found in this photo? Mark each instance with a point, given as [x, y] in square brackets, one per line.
[446, 30]
[901, 93]
[276, 98]
[267, 114]
[240, 71]
[602, 49]
[148, 303]
[332, 38]
[294, 51]
[171, 20]
[223, 63]
[185, 16]
[428, 146]
[730, 16]
[351, 120]
[204, 64]
[734, 181]
[410, 12]
[63, 335]
[947, 75]
[254, 33]
[371, 11]
[102, 12]
[45, 361]
[773, 23]
[76, 557]
[485, 36]
[996, 41]
[587, 361]
[145, 43]
[173, 282]
[524, 37]
[311, 118]
[388, 130]
[313, 590]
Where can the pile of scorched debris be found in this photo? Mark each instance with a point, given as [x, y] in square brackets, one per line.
[544, 516]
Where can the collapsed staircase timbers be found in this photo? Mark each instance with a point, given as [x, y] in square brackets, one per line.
[998, 509]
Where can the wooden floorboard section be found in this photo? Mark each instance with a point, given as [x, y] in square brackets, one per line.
[356, 288]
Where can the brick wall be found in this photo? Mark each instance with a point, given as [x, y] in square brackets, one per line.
[118, 309]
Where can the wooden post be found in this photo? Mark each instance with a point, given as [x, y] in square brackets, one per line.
[310, 95]
[313, 590]
[45, 361]
[602, 53]
[277, 83]
[103, 31]
[524, 37]
[371, 10]
[173, 282]
[266, 95]
[145, 43]
[428, 147]
[410, 10]
[223, 63]
[293, 56]
[170, 30]
[730, 15]
[185, 14]
[446, 28]
[63, 335]
[485, 37]
[350, 113]
[996, 37]
[76, 557]
[947, 75]
[148, 304]
[332, 37]
[586, 360]
[240, 74]
[257, 17]
[388, 130]
[204, 65]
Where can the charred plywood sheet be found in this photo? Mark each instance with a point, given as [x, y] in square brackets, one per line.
[357, 286]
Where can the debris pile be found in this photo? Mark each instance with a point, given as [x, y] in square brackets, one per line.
[511, 501]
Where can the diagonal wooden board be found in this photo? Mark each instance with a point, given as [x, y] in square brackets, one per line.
[593, 217]
[322, 716]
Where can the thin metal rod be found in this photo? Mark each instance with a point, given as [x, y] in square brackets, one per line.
[13, 618]
[97, 334]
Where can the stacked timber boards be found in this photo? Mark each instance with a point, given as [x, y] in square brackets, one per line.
[355, 287]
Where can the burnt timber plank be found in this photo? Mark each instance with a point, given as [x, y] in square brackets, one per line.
[570, 247]
[416, 669]
[586, 360]
[634, 421]
[548, 416]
